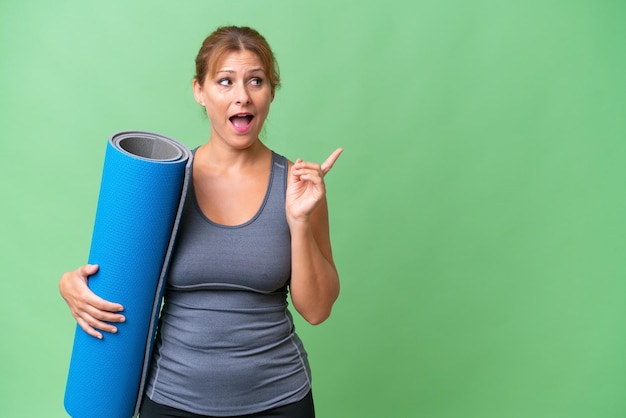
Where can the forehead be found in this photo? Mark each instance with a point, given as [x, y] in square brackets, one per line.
[238, 60]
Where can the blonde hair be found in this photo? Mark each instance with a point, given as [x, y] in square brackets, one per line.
[227, 39]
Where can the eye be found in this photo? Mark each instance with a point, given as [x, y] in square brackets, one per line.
[256, 81]
[224, 82]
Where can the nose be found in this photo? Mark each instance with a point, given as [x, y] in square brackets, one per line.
[242, 97]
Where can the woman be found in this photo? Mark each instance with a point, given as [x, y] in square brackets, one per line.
[254, 226]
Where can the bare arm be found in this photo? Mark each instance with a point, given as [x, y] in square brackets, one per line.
[314, 278]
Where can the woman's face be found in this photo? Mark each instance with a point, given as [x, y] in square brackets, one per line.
[237, 98]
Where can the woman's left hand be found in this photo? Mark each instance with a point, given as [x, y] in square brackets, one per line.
[306, 189]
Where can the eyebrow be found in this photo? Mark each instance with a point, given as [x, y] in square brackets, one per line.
[254, 70]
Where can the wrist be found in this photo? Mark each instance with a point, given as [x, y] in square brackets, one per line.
[300, 224]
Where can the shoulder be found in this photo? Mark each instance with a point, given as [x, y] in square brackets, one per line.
[282, 161]
[279, 157]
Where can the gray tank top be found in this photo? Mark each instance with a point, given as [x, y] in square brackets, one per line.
[226, 343]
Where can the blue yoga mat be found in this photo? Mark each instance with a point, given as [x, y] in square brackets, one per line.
[143, 181]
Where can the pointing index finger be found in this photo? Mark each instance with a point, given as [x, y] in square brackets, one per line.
[330, 161]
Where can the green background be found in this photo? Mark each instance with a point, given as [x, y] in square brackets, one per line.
[477, 213]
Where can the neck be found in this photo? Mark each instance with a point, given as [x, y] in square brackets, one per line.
[216, 154]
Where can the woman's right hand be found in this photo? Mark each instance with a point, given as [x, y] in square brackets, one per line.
[91, 312]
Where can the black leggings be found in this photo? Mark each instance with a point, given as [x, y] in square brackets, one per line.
[300, 409]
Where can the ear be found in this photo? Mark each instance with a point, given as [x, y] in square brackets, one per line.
[273, 91]
[197, 92]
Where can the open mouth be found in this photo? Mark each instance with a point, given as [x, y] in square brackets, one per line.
[241, 121]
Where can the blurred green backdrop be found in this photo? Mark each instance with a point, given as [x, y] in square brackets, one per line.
[477, 212]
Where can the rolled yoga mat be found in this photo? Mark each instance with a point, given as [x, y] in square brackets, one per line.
[144, 178]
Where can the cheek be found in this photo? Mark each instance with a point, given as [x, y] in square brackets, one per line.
[265, 102]
[216, 106]
[214, 115]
